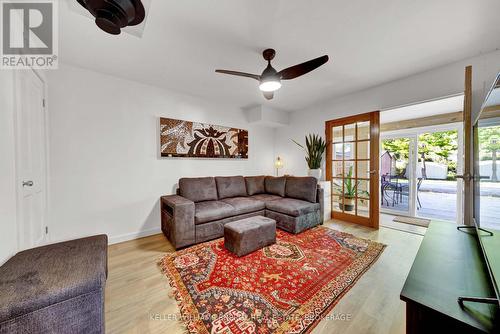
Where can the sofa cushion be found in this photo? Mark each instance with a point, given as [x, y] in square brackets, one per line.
[232, 186]
[275, 185]
[212, 210]
[292, 207]
[266, 197]
[255, 185]
[198, 189]
[40, 277]
[304, 188]
[243, 205]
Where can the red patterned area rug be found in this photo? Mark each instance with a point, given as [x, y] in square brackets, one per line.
[284, 288]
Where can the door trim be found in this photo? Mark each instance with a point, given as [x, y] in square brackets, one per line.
[468, 168]
[374, 118]
[18, 96]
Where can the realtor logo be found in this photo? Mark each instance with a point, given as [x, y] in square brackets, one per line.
[29, 34]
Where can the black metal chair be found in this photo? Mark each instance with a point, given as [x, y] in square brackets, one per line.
[388, 184]
[405, 191]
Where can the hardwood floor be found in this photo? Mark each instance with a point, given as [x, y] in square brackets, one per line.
[138, 298]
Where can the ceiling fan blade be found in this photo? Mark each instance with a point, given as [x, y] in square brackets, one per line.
[268, 95]
[301, 69]
[240, 74]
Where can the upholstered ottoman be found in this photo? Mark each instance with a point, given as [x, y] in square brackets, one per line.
[245, 236]
[57, 288]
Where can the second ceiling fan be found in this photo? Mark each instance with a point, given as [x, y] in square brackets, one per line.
[270, 79]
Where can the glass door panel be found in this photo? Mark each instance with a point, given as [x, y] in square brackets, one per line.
[436, 181]
[396, 174]
[349, 132]
[338, 136]
[351, 168]
[488, 173]
[349, 151]
[363, 150]
[363, 130]
[363, 207]
[419, 170]
[363, 169]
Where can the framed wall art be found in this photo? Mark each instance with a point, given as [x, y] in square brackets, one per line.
[180, 138]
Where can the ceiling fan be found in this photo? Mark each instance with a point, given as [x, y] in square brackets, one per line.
[113, 15]
[270, 79]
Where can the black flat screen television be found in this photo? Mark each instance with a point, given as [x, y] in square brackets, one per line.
[487, 184]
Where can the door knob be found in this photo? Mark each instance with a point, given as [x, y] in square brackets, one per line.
[466, 177]
[28, 183]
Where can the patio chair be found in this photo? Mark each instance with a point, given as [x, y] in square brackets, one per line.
[404, 190]
[386, 163]
[387, 184]
[384, 186]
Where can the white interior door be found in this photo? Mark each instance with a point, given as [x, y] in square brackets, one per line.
[31, 160]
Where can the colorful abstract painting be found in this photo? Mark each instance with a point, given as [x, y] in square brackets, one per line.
[190, 139]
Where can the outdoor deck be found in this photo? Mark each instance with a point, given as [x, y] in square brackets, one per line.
[439, 201]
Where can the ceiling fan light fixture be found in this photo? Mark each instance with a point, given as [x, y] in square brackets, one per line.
[270, 79]
[270, 85]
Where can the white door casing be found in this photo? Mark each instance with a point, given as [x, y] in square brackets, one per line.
[31, 159]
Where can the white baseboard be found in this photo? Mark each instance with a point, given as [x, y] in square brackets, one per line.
[134, 235]
[111, 240]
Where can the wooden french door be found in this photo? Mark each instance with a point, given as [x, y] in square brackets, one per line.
[352, 166]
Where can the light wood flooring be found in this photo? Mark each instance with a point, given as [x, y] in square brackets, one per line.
[136, 290]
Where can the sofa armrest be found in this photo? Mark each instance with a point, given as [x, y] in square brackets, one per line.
[320, 198]
[177, 220]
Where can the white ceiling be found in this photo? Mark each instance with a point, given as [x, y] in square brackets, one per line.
[369, 43]
[425, 109]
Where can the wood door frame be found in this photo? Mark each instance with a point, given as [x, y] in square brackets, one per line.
[468, 168]
[374, 119]
[18, 98]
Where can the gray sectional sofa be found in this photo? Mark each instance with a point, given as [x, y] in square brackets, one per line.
[203, 205]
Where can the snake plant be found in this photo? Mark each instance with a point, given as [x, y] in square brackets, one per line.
[315, 147]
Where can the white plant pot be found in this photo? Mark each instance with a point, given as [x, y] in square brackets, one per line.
[315, 173]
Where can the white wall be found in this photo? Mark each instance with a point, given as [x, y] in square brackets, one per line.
[440, 82]
[106, 175]
[8, 223]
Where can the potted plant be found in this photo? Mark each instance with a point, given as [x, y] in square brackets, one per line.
[315, 147]
[348, 194]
